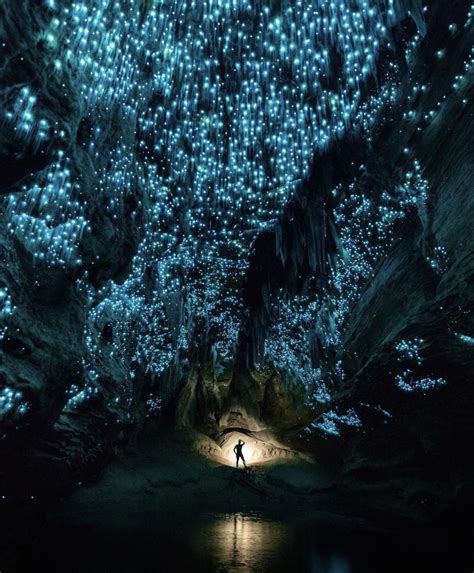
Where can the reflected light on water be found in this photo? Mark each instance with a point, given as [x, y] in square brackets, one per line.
[241, 543]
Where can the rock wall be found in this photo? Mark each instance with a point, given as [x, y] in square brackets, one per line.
[412, 446]
[44, 305]
[412, 311]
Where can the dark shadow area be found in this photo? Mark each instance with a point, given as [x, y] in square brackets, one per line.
[188, 514]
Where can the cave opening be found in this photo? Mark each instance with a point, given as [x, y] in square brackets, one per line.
[259, 447]
[227, 221]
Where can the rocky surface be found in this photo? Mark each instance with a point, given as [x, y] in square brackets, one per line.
[412, 446]
[411, 450]
[421, 451]
[165, 506]
[43, 344]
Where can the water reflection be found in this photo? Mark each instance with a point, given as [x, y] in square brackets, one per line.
[240, 543]
[332, 564]
[237, 542]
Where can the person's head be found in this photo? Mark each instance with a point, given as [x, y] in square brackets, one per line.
[240, 442]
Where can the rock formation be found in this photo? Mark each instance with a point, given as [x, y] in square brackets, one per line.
[169, 254]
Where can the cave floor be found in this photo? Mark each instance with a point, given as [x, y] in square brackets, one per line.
[166, 474]
[164, 507]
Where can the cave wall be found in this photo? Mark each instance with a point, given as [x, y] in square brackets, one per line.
[420, 288]
[47, 445]
[413, 442]
[413, 294]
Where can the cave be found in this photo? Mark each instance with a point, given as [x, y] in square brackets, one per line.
[236, 226]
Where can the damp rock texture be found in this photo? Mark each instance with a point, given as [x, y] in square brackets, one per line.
[233, 218]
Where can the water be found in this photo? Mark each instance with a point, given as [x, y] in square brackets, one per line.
[234, 543]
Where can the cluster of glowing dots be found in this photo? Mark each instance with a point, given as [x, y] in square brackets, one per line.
[366, 231]
[226, 103]
[410, 349]
[231, 99]
[331, 423]
[12, 403]
[6, 310]
[56, 233]
[408, 383]
[23, 120]
[410, 352]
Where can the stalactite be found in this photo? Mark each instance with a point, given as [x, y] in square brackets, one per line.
[228, 106]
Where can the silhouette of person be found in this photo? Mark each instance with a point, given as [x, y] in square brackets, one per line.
[238, 453]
